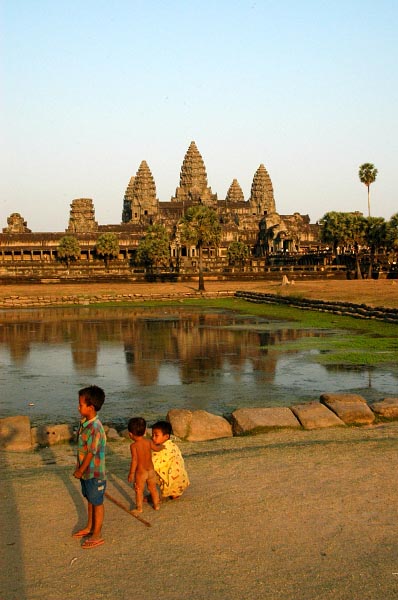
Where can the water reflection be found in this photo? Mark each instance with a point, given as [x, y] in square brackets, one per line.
[151, 360]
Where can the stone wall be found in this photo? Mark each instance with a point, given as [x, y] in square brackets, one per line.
[348, 309]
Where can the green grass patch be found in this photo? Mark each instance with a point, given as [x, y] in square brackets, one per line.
[344, 348]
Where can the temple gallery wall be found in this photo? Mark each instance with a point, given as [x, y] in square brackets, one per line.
[254, 221]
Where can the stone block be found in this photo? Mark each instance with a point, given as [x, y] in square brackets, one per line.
[198, 425]
[112, 434]
[15, 433]
[180, 420]
[387, 408]
[48, 435]
[249, 420]
[350, 408]
[125, 434]
[314, 415]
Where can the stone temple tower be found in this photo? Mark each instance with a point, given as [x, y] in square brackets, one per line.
[193, 180]
[82, 216]
[262, 200]
[143, 204]
[127, 201]
[234, 193]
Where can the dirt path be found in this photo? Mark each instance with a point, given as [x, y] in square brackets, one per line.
[383, 292]
[285, 515]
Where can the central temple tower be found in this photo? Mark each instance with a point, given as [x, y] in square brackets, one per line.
[193, 180]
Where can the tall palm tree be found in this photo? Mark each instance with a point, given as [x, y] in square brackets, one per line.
[200, 227]
[367, 175]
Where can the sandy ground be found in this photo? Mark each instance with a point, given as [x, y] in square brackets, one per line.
[283, 515]
[383, 292]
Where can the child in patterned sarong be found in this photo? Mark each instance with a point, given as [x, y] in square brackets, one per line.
[168, 463]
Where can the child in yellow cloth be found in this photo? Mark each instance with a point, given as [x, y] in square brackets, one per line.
[168, 463]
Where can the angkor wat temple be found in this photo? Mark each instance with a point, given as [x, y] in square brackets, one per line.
[254, 221]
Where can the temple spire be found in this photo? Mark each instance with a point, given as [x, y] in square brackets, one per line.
[234, 193]
[144, 204]
[193, 179]
[262, 193]
[127, 201]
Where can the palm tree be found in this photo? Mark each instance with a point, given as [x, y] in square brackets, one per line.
[200, 227]
[344, 230]
[392, 234]
[367, 175]
[333, 230]
[107, 246]
[238, 253]
[375, 237]
[68, 249]
[154, 249]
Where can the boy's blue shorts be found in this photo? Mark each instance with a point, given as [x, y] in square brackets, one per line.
[94, 490]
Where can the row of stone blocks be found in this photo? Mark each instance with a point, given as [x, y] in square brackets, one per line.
[85, 300]
[333, 410]
[349, 309]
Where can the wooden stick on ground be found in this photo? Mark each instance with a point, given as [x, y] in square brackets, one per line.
[133, 513]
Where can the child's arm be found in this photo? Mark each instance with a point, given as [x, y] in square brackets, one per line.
[79, 472]
[157, 447]
[134, 462]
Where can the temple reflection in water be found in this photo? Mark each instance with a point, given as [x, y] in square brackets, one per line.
[150, 360]
[194, 345]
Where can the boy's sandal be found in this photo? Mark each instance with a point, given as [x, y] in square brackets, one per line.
[88, 544]
[81, 533]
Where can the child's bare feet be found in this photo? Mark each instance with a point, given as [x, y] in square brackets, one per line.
[156, 506]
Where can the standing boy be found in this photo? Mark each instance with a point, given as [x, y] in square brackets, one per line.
[90, 468]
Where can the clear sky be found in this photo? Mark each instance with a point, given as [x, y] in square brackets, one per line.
[91, 88]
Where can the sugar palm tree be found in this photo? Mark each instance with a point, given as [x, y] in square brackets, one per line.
[68, 249]
[237, 253]
[367, 175]
[200, 227]
[107, 246]
[154, 249]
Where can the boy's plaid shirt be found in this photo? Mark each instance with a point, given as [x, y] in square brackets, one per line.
[91, 438]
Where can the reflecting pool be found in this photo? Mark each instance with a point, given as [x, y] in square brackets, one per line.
[149, 360]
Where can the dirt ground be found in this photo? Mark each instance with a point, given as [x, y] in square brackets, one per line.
[383, 292]
[287, 515]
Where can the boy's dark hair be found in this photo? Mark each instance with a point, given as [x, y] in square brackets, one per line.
[164, 426]
[93, 395]
[137, 426]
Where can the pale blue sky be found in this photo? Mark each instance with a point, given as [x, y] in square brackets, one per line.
[90, 88]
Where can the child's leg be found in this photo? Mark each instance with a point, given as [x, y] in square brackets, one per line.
[89, 527]
[140, 479]
[98, 519]
[151, 483]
